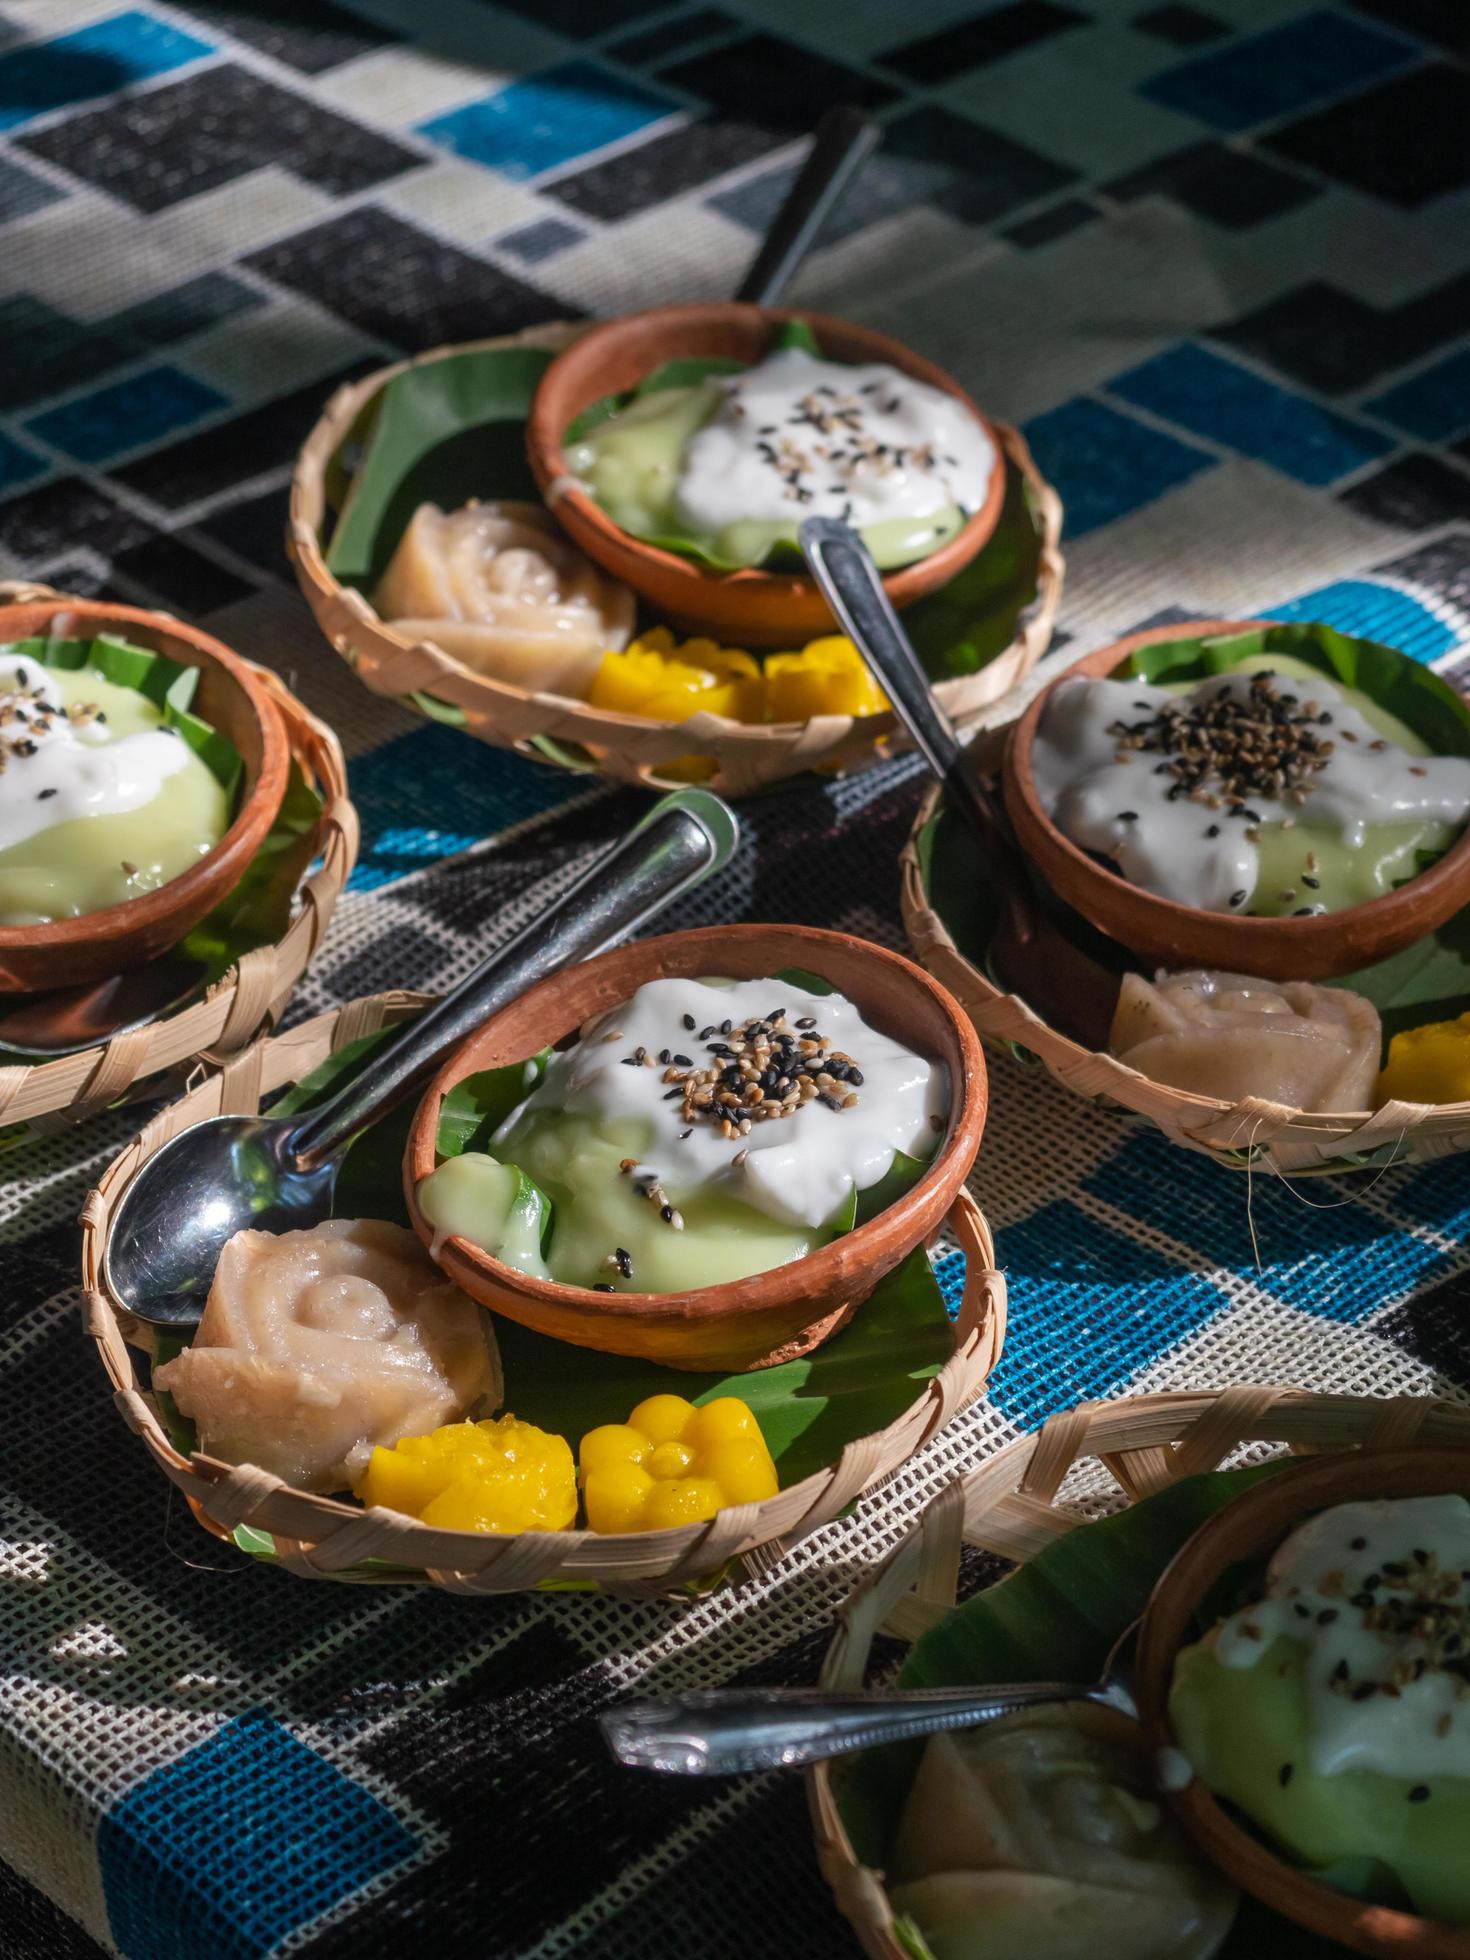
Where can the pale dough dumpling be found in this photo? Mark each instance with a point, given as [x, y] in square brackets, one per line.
[314, 1346]
[1229, 1036]
[501, 588]
[1037, 1837]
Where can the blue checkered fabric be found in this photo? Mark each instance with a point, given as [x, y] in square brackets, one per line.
[1215, 260]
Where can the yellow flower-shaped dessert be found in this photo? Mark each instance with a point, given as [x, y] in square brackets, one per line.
[671, 1463]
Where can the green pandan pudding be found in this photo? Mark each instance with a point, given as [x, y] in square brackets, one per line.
[100, 799]
[699, 1133]
[733, 464]
[1267, 789]
[1335, 1713]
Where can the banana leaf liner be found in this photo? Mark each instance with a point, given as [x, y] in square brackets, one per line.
[253, 948]
[736, 758]
[318, 1537]
[1101, 1458]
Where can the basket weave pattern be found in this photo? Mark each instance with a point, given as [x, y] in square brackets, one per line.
[1233, 1133]
[321, 1537]
[250, 996]
[630, 748]
[1015, 1504]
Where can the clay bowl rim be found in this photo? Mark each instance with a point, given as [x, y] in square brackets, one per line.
[1250, 1527]
[1140, 920]
[944, 1176]
[190, 895]
[572, 373]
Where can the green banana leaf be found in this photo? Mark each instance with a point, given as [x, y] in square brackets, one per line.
[442, 433]
[1055, 1618]
[169, 684]
[809, 1409]
[453, 429]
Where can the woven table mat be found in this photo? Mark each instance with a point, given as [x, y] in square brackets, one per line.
[1187, 251]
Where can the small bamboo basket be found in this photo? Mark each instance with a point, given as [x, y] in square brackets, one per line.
[1107, 1455]
[326, 1538]
[629, 748]
[249, 998]
[1254, 1130]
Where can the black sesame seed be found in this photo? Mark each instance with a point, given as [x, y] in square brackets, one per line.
[683, 1061]
[603, 1286]
[705, 1033]
[1312, 884]
[689, 1022]
[674, 1095]
[1419, 1793]
[42, 794]
[1238, 898]
[1213, 831]
[631, 1061]
[807, 1021]
[666, 1212]
[1359, 1545]
[1302, 1612]
[1327, 1616]
[686, 1133]
[1131, 816]
[724, 1027]
[855, 1077]
[1283, 1775]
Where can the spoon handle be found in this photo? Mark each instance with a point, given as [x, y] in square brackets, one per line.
[844, 141]
[682, 840]
[721, 1731]
[853, 587]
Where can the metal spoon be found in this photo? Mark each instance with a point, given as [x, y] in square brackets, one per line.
[277, 1174]
[844, 141]
[723, 1731]
[69, 1020]
[1073, 989]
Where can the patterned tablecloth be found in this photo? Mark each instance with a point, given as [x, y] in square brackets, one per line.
[1215, 259]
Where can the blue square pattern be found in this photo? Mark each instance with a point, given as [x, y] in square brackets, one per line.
[546, 120]
[1434, 405]
[1281, 70]
[97, 60]
[1334, 1258]
[1230, 405]
[403, 790]
[1372, 612]
[18, 464]
[1088, 1309]
[127, 414]
[1105, 464]
[238, 1843]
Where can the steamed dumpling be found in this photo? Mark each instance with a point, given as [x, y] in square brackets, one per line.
[315, 1346]
[1226, 1035]
[1038, 1834]
[499, 587]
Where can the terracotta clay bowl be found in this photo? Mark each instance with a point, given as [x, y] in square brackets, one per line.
[1247, 1532]
[744, 608]
[772, 1316]
[1173, 935]
[69, 952]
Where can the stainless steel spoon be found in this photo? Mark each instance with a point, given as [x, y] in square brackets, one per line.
[725, 1731]
[1073, 988]
[278, 1173]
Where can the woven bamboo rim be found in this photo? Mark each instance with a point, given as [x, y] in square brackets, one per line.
[630, 748]
[325, 1538]
[1235, 1134]
[250, 996]
[1010, 1505]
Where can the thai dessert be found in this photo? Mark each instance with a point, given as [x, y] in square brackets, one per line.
[701, 1132]
[499, 587]
[1333, 1712]
[731, 464]
[503, 1476]
[1265, 790]
[316, 1346]
[671, 1463]
[669, 680]
[101, 796]
[1230, 1036]
[1429, 1064]
[1039, 1834]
